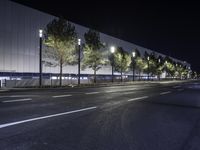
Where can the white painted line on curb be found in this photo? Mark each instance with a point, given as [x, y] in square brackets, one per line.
[57, 96]
[92, 93]
[17, 100]
[138, 98]
[163, 93]
[45, 117]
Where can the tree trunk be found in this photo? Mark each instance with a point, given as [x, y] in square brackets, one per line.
[158, 77]
[95, 76]
[61, 65]
[139, 75]
[121, 75]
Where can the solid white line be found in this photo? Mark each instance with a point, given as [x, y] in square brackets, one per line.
[163, 93]
[45, 117]
[92, 93]
[17, 100]
[138, 98]
[57, 96]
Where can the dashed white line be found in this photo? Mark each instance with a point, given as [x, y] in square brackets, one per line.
[92, 93]
[178, 86]
[45, 117]
[138, 98]
[21, 95]
[17, 100]
[121, 90]
[57, 96]
[163, 93]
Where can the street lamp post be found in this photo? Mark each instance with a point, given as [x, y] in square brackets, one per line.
[79, 59]
[166, 69]
[148, 67]
[40, 59]
[157, 68]
[112, 49]
[133, 63]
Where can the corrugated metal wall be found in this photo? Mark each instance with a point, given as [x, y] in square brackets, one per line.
[19, 40]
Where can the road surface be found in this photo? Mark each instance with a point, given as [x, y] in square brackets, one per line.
[146, 116]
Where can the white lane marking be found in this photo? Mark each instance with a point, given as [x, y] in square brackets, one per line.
[21, 95]
[45, 117]
[57, 96]
[16, 96]
[92, 93]
[178, 86]
[163, 93]
[121, 90]
[138, 98]
[180, 89]
[17, 100]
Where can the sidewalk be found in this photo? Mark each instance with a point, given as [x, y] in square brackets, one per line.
[97, 85]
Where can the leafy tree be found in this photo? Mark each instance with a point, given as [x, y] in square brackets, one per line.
[93, 56]
[122, 60]
[133, 62]
[60, 39]
[146, 62]
[169, 66]
[140, 65]
[152, 64]
[159, 66]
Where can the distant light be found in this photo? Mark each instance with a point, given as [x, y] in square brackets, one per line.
[40, 33]
[112, 49]
[176, 65]
[159, 60]
[166, 62]
[79, 42]
[148, 58]
[133, 54]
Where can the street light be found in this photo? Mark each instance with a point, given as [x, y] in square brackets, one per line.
[79, 59]
[40, 59]
[112, 50]
[148, 66]
[133, 62]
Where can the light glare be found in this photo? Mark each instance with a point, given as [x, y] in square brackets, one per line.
[40, 32]
[112, 49]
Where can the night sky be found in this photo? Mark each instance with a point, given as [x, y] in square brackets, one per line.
[172, 28]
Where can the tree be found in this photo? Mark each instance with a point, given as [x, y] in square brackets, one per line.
[140, 65]
[152, 64]
[135, 64]
[60, 39]
[159, 66]
[122, 60]
[93, 56]
[169, 66]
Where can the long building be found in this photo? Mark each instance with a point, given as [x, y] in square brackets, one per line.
[19, 43]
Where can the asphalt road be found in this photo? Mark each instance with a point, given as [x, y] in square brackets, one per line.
[136, 117]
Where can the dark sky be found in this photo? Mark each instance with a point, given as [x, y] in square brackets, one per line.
[169, 27]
